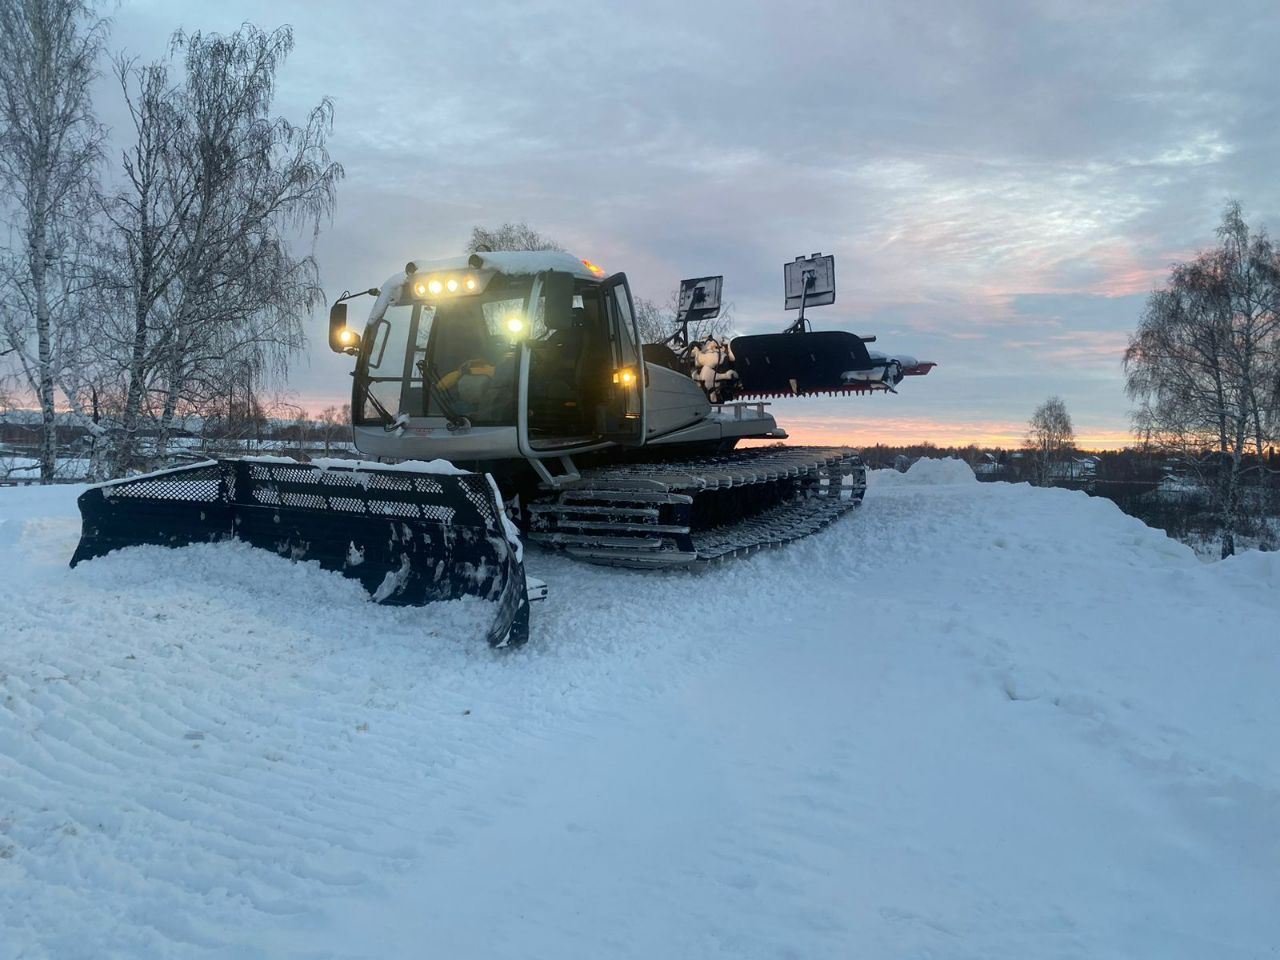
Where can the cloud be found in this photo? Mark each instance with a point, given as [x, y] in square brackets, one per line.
[989, 176]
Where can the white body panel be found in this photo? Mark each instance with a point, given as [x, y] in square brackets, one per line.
[429, 438]
[672, 401]
[678, 412]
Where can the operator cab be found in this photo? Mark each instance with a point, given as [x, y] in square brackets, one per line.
[496, 355]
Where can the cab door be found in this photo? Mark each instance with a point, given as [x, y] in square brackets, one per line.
[622, 417]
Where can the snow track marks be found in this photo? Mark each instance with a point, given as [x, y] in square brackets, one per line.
[969, 720]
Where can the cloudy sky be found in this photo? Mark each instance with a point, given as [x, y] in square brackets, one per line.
[1001, 183]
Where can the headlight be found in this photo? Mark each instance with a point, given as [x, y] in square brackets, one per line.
[426, 286]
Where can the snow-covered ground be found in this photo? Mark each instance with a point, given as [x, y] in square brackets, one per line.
[970, 720]
[18, 469]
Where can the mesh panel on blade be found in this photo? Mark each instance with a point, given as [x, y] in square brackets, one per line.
[203, 485]
[478, 491]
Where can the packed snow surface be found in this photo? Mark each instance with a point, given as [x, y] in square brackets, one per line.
[969, 720]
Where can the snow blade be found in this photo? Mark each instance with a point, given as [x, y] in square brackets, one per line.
[409, 536]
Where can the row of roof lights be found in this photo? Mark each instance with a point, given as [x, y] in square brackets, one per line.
[437, 285]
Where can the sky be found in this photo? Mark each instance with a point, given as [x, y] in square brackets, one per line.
[1001, 184]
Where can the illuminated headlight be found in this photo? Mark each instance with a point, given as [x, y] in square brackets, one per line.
[442, 284]
[346, 336]
[515, 325]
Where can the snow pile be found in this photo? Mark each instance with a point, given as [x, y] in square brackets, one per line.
[927, 472]
[969, 720]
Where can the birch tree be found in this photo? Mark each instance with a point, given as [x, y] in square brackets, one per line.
[49, 149]
[146, 255]
[335, 427]
[222, 300]
[1204, 363]
[1050, 439]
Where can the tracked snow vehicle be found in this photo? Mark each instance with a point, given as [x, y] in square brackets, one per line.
[528, 366]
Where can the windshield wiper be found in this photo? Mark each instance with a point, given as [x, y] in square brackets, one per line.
[455, 420]
[389, 423]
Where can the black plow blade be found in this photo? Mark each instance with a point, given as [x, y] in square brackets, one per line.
[410, 536]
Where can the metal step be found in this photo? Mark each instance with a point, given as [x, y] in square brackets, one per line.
[637, 561]
[565, 524]
[589, 510]
[624, 495]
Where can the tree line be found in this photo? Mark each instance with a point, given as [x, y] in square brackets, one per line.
[165, 282]
[1203, 366]
[1203, 371]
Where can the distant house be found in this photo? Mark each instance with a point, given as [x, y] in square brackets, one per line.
[1080, 467]
[989, 467]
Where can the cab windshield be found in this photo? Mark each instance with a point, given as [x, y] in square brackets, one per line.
[455, 358]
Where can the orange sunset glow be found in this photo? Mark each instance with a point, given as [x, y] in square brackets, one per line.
[897, 431]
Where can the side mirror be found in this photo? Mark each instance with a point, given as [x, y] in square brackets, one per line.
[342, 339]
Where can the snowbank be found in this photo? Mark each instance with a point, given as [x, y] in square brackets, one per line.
[927, 472]
[969, 720]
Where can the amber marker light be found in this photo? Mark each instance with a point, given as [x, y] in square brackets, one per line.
[626, 376]
[594, 268]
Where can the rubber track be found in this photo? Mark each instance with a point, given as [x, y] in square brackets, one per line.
[694, 512]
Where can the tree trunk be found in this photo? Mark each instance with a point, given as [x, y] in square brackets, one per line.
[128, 450]
[39, 255]
[97, 433]
[1230, 507]
[170, 409]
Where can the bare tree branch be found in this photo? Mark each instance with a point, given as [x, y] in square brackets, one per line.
[50, 145]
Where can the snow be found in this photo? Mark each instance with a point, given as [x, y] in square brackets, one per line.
[905, 360]
[970, 720]
[509, 262]
[438, 467]
[183, 468]
[17, 468]
[932, 472]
